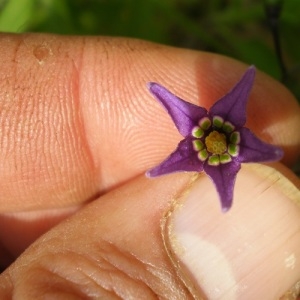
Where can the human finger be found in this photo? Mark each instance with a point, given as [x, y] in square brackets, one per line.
[167, 238]
[77, 120]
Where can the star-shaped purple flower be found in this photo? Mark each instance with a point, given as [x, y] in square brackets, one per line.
[214, 141]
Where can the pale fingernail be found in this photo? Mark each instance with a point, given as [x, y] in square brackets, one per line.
[250, 252]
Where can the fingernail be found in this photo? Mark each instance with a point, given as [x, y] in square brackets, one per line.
[250, 252]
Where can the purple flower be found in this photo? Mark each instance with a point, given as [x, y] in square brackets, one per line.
[214, 141]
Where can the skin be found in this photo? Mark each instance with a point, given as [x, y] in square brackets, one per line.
[78, 131]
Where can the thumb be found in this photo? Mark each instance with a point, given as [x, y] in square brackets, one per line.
[167, 238]
[251, 252]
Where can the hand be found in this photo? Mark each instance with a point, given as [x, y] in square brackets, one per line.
[79, 129]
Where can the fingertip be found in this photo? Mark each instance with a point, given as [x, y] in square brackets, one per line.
[246, 240]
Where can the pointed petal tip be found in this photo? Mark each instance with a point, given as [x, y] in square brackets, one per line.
[156, 172]
[279, 152]
[154, 85]
[225, 208]
[277, 155]
[157, 91]
[252, 67]
[150, 85]
[254, 150]
[226, 202]
[250, 72]
[149, 174]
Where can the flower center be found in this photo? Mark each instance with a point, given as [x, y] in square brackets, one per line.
[216, 142]
[217, 145]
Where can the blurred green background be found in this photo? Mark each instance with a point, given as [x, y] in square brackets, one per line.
[237, 28]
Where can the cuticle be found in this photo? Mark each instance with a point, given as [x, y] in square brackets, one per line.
[169, 239]
[293, 293]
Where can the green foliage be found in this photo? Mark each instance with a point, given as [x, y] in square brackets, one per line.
[237, 28]
[15, 14]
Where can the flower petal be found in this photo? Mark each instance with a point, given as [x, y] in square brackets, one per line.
[232, 107]
[184, 158]
[223, 176]
[185, 115]
[252, 149]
